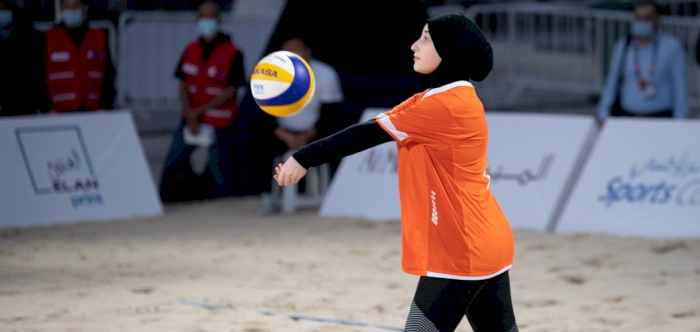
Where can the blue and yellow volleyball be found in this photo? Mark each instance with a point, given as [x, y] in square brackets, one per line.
[282, 83]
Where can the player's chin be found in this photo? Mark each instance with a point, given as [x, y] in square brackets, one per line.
[418, 68]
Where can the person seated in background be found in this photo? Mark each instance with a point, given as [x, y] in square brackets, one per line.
[210, 72]
[78, 64]
[647, 75]
[21, 61]
[293, 132]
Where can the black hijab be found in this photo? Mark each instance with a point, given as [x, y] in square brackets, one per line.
[465, 52]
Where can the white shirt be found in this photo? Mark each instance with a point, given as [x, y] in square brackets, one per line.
[327, 91]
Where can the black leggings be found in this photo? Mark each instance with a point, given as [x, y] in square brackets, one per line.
[439, 305]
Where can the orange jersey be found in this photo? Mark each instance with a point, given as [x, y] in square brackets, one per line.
[452, 226]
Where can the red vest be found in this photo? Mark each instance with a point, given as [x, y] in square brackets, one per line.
[207, 79]
[74, 76]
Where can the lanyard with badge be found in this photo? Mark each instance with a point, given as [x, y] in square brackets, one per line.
[646, 85]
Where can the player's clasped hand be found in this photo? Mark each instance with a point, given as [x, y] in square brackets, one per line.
[289, 173]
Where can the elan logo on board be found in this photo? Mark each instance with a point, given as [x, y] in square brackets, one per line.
[57, 163]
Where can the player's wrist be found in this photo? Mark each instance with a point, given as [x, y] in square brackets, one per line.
[303, 160]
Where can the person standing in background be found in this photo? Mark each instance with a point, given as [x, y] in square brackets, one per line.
[21, 61]
[79, 69]
[647, 77]
[210, 72]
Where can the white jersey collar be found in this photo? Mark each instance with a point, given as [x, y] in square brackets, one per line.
[446, 87]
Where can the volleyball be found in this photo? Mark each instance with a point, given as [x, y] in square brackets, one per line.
[282, 83]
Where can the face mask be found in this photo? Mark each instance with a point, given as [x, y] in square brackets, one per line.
[73, 17]
[642, 29]
[207, 27]
[5, 17]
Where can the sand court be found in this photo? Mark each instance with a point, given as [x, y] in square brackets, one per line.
[218, 266]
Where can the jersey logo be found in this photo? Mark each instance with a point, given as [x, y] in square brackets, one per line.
[435, 215]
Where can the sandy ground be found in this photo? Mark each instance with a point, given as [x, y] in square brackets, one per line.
[130, 276]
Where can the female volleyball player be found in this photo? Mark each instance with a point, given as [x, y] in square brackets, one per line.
[454, 234]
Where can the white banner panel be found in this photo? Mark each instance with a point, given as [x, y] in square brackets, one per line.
[533, 160]
[642, 179]
[68, 168]
[366, 184]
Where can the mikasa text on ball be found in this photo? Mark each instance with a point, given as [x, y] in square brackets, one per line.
[282, 83]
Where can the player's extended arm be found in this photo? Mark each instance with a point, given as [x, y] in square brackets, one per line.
[344, 143]
[349, 141]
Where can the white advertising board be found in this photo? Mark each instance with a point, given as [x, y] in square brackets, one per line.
[366, 184]
[642, 179]
[533, 161]
[69, 168]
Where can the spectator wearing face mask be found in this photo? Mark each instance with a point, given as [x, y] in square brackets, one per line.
[21, 60]
[647, 75]
[210, 72]
[79, 69]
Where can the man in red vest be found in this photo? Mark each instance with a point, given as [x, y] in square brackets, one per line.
[210, 71]
[79, 70]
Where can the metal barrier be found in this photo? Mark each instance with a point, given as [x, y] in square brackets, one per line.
[151, 44]
[563, 48]
[107, 25]
[685, 29]
[545, 48]
[680, 7]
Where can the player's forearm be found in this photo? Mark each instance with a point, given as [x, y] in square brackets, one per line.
[349, 141]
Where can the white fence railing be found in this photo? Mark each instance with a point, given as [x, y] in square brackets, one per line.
[151, 44]
[542, 48]
[556, 48]
[680, 7]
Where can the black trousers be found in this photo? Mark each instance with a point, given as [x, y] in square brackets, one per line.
[440, 304]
